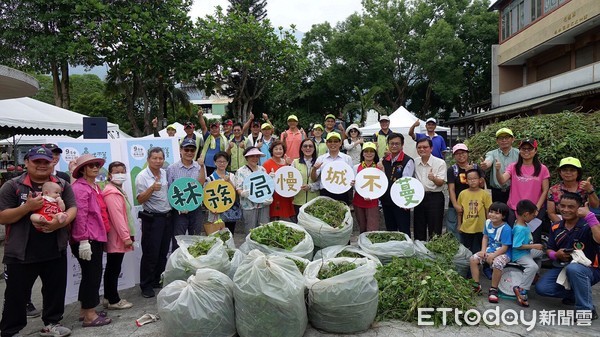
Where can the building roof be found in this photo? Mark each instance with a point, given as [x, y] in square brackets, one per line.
[15, 83]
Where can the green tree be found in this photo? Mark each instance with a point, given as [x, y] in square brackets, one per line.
[256, 8]
[366, 101]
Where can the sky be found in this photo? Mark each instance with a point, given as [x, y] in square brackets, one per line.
[302, 13]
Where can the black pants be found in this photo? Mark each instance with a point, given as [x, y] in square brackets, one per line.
[472, 241]
[111, 276]
[21, 278]
[500, 195]
[343, 197]
[429, 216]
[396, 219]
[156, 238]
[188, 223]
[91, 275]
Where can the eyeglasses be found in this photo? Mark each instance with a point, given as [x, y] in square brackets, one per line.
[527, 149]
[93, 165]
[221, 161]
[307, 146]
[189, 149]
[394, 144]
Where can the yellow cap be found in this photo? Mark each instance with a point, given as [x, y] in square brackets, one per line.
[329, 116]
[319, 126]
[570, 161]
[292, 117]
[171, 126]
[506, 131]
[266, 126]
[333, 135]
[369, 145]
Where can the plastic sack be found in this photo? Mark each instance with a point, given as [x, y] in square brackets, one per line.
[461, 260]
[229, 242]
[236, 260]
[346, 303]
[202, 306]
[181, 264]
[386, 250]
[333, 251]
[269, 297]
[322, 233]
[422, 252]
[303, 249]
[303, 261]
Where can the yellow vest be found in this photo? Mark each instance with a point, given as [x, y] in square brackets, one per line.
[303, 196]
[381, 144]
[237, 155]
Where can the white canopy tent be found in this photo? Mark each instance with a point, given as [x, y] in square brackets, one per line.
[31, 140]
[180, 132]
[400, 122]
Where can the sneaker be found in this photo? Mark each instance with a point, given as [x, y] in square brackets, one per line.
[594, 315]
[148, 293]
[122, 304]
[477, 289]
[493, 295]
[32, 312]
[521, 295]
[55, 330]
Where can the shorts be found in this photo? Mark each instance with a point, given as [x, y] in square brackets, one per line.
[499, 262]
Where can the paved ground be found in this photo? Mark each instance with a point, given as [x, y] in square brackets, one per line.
[124, 321]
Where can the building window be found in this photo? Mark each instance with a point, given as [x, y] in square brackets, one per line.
[584, 56]
[550, 5]
[536, 9]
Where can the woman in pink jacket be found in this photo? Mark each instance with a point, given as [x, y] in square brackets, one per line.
[120, 236]
[88, 235]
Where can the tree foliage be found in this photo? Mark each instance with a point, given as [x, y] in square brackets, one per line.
[256, 8]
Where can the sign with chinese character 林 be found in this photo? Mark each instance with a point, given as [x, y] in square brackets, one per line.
[219, 196]
[336, 177]
[371, 183]
[288, 181]
[407, 192]
[186, 194]
[260, 185]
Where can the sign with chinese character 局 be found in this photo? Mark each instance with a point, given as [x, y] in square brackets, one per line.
[371, 183]
[288, 181]
[219, 196]
[186, 194]
[336, 177]
[407, 192]
[260, 185]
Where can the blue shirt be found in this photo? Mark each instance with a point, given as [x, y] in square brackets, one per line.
[497, 237]
[438, 142]
[521, 236]
[210, 153]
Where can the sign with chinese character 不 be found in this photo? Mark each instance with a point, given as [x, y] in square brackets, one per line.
[219, 196]
[260, 185]
[186, 194]
[288, 181]
[371, 183]
[407, 192]
[337, 176]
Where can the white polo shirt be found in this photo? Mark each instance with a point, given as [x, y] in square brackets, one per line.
[422, 172]
[158, 202]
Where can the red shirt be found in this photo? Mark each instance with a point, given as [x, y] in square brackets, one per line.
[358, 200]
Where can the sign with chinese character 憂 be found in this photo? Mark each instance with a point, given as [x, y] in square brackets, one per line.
[288, 181]
[186, 194]
[407, 192]
[371, 183]
[260, 185]
[336, 177]
[219, 196]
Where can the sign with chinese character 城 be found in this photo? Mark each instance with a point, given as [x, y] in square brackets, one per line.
[260, 185]
[288, 181]
[407, 192]
[336, 177]
[219, 196]
[371, 183]
[186, 194]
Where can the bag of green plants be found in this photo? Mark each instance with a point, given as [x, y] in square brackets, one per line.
[225, 236]
[280, 237]
[342, 294]
[269, 297]
[328, 221]
[200, 306]
[386, 245]
[343, 251]
[449, 251]
[235, 261]
[195, 252]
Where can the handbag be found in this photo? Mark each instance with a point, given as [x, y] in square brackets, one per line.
[232, 214]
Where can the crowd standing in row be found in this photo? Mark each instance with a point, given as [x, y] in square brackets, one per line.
[493, 228]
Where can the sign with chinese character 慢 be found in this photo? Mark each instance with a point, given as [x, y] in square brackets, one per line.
[407, 192]
[219, 196]
[371, 183]
[260, 185]
[186, 194]
[288, 181]
[336, 177]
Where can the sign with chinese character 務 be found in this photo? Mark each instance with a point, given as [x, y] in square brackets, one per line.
[337, 176]
[186, 194]
[288, 181]
[260, 185]
[219, 196]
[407, 192]
[371, 183]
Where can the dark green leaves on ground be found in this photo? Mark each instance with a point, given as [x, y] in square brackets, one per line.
[407, 284]
[277, 235]
[332, 269]
[444, 246]
[329, 211]
[201, 247]
[386, 236]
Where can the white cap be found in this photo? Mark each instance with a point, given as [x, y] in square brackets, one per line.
[431, 119]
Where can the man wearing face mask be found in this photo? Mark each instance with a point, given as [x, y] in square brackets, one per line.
[120, 237]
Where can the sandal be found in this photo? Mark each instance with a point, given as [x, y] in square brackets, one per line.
[146, 318]
[99, 313]
[100, 321]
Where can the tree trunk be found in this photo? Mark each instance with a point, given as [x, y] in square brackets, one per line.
[64, 83]
[56, 84]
